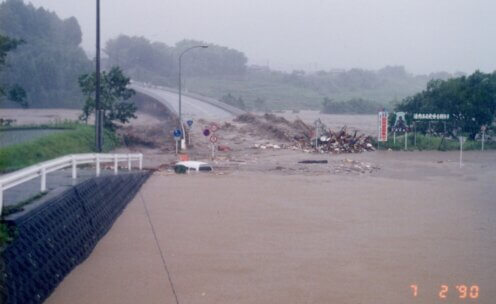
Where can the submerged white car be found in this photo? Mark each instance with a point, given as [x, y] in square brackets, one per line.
[190, 165]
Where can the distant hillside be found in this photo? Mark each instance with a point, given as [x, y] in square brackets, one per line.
[219, 72]
[300, 90]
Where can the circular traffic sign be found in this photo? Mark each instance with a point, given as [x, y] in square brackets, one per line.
[177, 133]
[214, 127]
[213, 139]
[206, 132]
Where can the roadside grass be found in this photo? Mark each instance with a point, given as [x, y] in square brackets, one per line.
[425, 142]
[57, 125]
[78, 139]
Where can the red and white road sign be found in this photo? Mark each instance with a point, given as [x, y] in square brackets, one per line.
[383, 126]
[213, 139]
[214, 127]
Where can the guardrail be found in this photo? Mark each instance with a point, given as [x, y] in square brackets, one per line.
[42, 169]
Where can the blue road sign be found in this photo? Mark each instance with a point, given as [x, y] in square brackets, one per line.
[177, 133]
[206, 132]
[190, 123]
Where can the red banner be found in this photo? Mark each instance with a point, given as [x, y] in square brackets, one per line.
[383, 127]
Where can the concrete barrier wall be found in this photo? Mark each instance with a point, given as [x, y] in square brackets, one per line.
[56, 234]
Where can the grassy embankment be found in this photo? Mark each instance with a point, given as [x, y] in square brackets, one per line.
[79, 139]
[425, 142]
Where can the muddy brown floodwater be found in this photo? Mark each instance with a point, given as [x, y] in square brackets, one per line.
[263, 236]
[375, 227]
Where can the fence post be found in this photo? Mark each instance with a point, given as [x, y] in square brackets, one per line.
[98, 165]
[74, 170]
[43, 179]
[129, 162]
[116, 168]
[141, 162]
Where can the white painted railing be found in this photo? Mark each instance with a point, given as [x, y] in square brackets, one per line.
[42, 169]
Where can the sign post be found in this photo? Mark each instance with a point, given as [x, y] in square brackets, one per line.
[383, 128]
[190, 123]
[177, 137]
[213, 140]
[406, 140]
[462, 140]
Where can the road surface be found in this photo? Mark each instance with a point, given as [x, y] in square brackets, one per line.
[191, 108]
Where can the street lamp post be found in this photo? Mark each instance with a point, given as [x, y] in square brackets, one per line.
[180, 83]
[98, 118]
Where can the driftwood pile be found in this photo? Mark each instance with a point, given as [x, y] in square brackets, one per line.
[344, 142]
[299, 135]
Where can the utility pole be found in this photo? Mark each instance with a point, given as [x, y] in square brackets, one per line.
[98, 114]
[180, 87]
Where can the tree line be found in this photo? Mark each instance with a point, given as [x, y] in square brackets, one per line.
[49, 61]
[469, 100]
[158, 63]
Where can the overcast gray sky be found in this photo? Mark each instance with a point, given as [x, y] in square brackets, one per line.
[423, 35]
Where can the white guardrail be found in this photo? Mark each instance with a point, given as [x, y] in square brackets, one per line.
[13, 179]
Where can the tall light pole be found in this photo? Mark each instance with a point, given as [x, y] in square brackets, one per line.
[181, 81]
[98, 118]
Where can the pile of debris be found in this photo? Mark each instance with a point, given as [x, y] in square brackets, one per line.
[301, 136]
[344, 142]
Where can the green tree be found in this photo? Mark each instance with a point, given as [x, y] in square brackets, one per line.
[14, 93]
[470, 101]
[48, 65]
[113, 96]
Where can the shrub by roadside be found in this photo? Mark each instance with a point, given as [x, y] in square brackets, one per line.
[425, 142]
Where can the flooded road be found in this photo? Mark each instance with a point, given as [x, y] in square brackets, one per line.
[419, 223]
